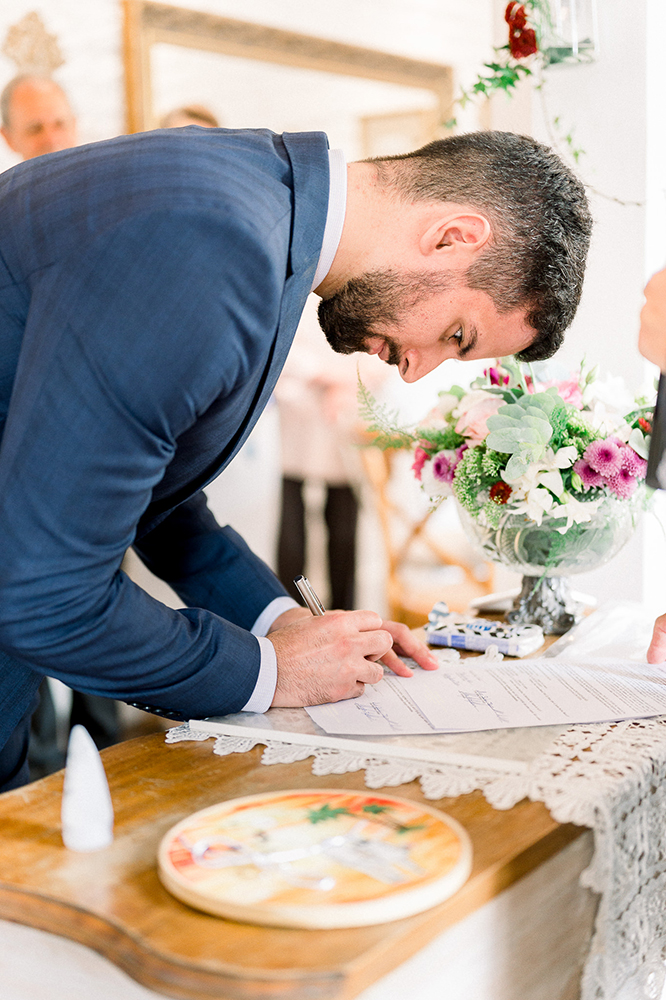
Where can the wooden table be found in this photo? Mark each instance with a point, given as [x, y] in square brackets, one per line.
[113, 902]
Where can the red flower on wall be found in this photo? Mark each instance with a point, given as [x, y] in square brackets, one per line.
[522, 40]
[515, 15]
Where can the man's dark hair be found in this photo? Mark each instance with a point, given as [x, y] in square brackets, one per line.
[538, 212]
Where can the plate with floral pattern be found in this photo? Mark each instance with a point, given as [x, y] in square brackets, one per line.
[315, 858]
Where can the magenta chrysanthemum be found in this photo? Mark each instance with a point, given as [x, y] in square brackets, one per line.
[444, 465]
[587, 474]
[633, 463]
[604, 456]
[623, 484]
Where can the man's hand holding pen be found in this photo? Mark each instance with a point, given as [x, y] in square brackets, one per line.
[332, 656]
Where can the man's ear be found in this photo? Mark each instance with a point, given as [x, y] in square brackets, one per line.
[7, 136]
[460, 235]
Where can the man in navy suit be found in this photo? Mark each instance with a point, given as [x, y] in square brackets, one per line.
[150, 287]
[36, 119]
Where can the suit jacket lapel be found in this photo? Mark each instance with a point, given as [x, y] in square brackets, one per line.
[310, 178]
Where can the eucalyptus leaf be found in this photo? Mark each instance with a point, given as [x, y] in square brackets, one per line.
[498, 390]
[509, 435]
[546, 401]
[512, 410]
[512, 439]
[517, 466]
[536, 423]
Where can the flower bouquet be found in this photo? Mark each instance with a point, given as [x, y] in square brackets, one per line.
[548, 474]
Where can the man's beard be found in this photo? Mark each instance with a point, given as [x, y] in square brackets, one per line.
[367, 306]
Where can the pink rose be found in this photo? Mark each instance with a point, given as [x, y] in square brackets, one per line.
[472, 423]
[568, 390]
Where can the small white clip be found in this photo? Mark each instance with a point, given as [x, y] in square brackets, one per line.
[492, 653]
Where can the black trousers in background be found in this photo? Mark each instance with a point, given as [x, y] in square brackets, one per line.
[341, 516]
[98, 715]
[14, 754]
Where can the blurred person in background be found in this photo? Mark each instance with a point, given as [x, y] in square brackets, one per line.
[652, 335]
[319, 435]
[652, 345]
[190, 114]
[37, 118]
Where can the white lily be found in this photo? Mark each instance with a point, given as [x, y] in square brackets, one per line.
[552, 481]
[521, 485]
[612, 393]
[623, 432]
[537, 502]
[575, 511]
[604, 419]
[545, 472]
[564, 458]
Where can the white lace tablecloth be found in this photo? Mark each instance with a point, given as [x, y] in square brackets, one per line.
[610, 777]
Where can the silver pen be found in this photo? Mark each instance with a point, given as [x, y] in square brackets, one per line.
[304, 588]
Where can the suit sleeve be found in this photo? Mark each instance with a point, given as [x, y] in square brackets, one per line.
[127, 343]
[209, 566]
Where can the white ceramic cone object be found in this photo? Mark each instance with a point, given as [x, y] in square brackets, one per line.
[87, 811]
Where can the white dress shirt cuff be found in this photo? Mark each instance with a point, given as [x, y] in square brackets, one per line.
[264, 689]
[271, 612]
[262, 696]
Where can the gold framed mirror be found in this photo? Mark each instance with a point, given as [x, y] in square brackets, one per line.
[396, 101]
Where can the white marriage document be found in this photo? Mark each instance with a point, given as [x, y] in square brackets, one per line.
[474, 694]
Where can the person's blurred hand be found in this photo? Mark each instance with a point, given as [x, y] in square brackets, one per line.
[652, 345]
[657, 651]
[652, 334]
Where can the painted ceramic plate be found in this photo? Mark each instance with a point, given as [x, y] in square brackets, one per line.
[315, 858]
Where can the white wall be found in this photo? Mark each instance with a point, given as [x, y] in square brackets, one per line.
[89, 33]
[604, 103]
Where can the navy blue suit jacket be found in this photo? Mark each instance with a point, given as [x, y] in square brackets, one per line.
[150, 288]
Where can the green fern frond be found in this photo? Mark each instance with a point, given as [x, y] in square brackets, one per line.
[382, 422]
